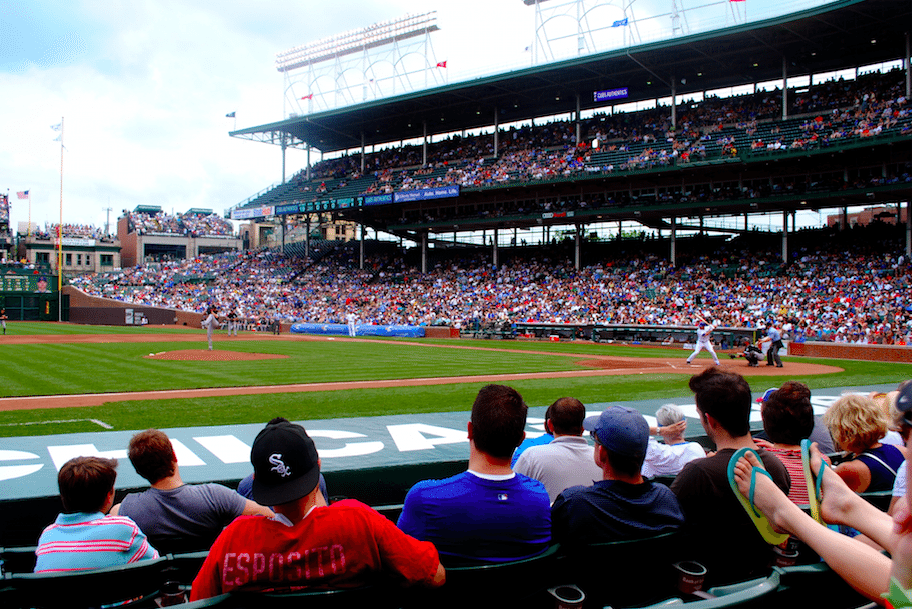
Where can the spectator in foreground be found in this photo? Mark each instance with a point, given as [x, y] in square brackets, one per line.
[725, 540]
[622, 505]
[788, 418]
[341, 545]
[567, 460]
[245, 486]
[178, 517]
[858, 424]
[81, 536]
[669, 459]
[488, 513]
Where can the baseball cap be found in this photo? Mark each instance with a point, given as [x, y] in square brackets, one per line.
[285, 464]
[767, 394]
[621, 430]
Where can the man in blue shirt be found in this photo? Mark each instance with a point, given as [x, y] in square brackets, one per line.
[488, 513]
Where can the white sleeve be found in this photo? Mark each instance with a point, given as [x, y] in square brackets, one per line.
[899, 486]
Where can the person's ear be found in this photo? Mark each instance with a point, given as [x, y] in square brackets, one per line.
[469, 429]
[549, 427]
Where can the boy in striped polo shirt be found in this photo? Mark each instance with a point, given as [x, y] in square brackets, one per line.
[82, 537]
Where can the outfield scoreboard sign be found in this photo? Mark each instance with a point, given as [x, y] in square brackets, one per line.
[25, 283]
[611, 94]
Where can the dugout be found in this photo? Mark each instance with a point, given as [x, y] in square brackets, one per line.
[725, 338]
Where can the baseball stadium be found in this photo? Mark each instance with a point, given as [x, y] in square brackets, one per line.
[618, 227]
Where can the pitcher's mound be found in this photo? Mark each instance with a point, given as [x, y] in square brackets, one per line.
[204, 355]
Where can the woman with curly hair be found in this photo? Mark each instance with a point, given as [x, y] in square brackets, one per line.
[858, 424]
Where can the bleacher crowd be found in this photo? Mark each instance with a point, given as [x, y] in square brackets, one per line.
[833, 289]
[187, 224]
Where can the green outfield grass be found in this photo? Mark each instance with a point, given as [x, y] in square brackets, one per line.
[61, 368]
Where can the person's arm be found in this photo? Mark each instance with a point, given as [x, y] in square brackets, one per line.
[114, 510]
[252, 508]
[855, 474]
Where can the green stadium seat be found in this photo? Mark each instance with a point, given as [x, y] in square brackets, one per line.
[138, 583]
[519, 583]
[624, 573]
[753, 593]
[18, 560]
[340, 598]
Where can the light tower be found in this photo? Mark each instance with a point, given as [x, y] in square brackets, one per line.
[382, 59]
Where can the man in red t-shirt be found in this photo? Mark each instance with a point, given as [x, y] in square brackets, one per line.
[308, 544]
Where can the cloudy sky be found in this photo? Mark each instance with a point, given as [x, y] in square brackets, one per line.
[143, 87]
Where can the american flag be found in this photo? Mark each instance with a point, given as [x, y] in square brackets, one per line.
[23, 194]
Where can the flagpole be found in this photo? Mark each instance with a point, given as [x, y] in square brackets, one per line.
[60, 235]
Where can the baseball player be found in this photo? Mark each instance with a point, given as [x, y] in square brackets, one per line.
[704, 340]
[210, 323]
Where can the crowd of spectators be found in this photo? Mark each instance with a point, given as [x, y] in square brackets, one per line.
[715, 127]
[73, 231]
[829, 291]
[190, 224]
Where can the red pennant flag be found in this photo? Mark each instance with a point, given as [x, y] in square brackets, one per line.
[441, 64]
[308, 96]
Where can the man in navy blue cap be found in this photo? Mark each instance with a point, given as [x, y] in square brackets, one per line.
[623, 505]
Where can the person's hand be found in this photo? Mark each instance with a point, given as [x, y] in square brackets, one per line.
[674, 429]
[764, 444]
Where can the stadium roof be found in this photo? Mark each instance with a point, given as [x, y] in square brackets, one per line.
[840, 35]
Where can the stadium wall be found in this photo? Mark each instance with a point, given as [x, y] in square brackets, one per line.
[94, 310]
[875, 353]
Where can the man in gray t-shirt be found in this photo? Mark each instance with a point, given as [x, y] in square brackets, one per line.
[174, 516]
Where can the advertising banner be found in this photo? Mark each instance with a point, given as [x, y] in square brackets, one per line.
[425, 194]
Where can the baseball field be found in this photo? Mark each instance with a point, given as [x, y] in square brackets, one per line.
[63, 378]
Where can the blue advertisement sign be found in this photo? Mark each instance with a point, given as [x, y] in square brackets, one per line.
[378, 199]
[282, 210]
[425, 194]
[610, 94]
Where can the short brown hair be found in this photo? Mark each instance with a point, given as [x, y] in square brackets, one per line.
[498, 420]
[856, 422]
[85, 482]
[788, 417]
[152, 455]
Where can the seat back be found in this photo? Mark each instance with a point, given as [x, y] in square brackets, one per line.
[138, 582]
[18, 560]
[340, 598]
[624, 573]
[504, 584]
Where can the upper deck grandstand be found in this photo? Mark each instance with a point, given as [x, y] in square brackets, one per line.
[658, 167]
[536, 192]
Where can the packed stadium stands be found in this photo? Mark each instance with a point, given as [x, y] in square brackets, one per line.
[825, 115]
[826, 293]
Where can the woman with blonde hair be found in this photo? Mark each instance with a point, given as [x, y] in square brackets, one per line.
[857, 425]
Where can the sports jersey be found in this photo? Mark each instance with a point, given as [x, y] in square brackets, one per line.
[472, 519]
[346, 544]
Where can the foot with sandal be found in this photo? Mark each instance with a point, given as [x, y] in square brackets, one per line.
[860, 565]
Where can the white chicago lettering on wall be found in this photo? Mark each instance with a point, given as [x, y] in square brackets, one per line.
[351, 449]
[61, 454]
[8, 472]
[420, 436]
